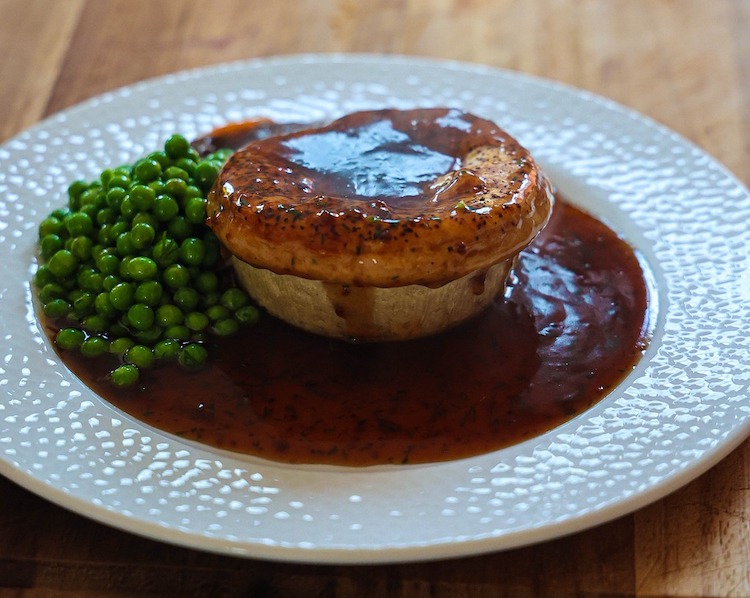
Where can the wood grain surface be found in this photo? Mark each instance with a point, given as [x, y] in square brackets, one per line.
[684, 63]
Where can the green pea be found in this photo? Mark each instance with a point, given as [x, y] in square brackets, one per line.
[105, 236]
[94, 346]
[103, 306]
[179, 332]
[121, 296]
[97, 249]
[90, 210]
[176, 276]
[51, 226]
[192, 251]
[166, 252]
[114, 199]
[149, 336]
[218, 312]
[81, 248]
[142, 197]
[106, 216]
[177, 147]
[83, 302]
[248, 315]
[127, 209]
[196, 321]
[193, 191]
[91, 198]
[125, 375]
[188, 165]
[63, 264]
[119, 227]
[140, 316]
[107, 263]
[205, 174]
[149, 292]
[57, 308]
[179, 228]
[76, 188]
[186, 298]
[195, 210]
[140, 356]
[175, 172]
[207, 281]
[90, 280]
[95, 323]
[192, 355]
[234, 298]
[120, 345]
[69, 338]
[106, 174]
[157, 186]
[52, 290]
[169, 315]
[49, 245]
[176, 187]
[145, 218]
[142, 235]
[43, 276]
[225, 327]
[147, 170]
[79, 223]
[161, 158]
[110, 281]
[124, 244]
[168, 348]
[166, 208]
[122, 271]
[118, 179]
[142, 268]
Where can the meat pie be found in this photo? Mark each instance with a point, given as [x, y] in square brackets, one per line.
[382, 225]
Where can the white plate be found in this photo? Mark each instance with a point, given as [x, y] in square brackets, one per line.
[682, 409]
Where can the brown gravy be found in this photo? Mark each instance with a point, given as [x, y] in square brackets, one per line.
[573, 324]
[389, 160]
[391, 156]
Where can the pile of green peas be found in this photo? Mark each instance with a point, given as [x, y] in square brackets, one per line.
[130, 267]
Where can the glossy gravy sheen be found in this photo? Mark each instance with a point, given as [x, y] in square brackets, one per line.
[572, 326]
[388, 163]
[383, 154]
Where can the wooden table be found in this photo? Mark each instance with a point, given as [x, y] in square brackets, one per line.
[685, 63]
